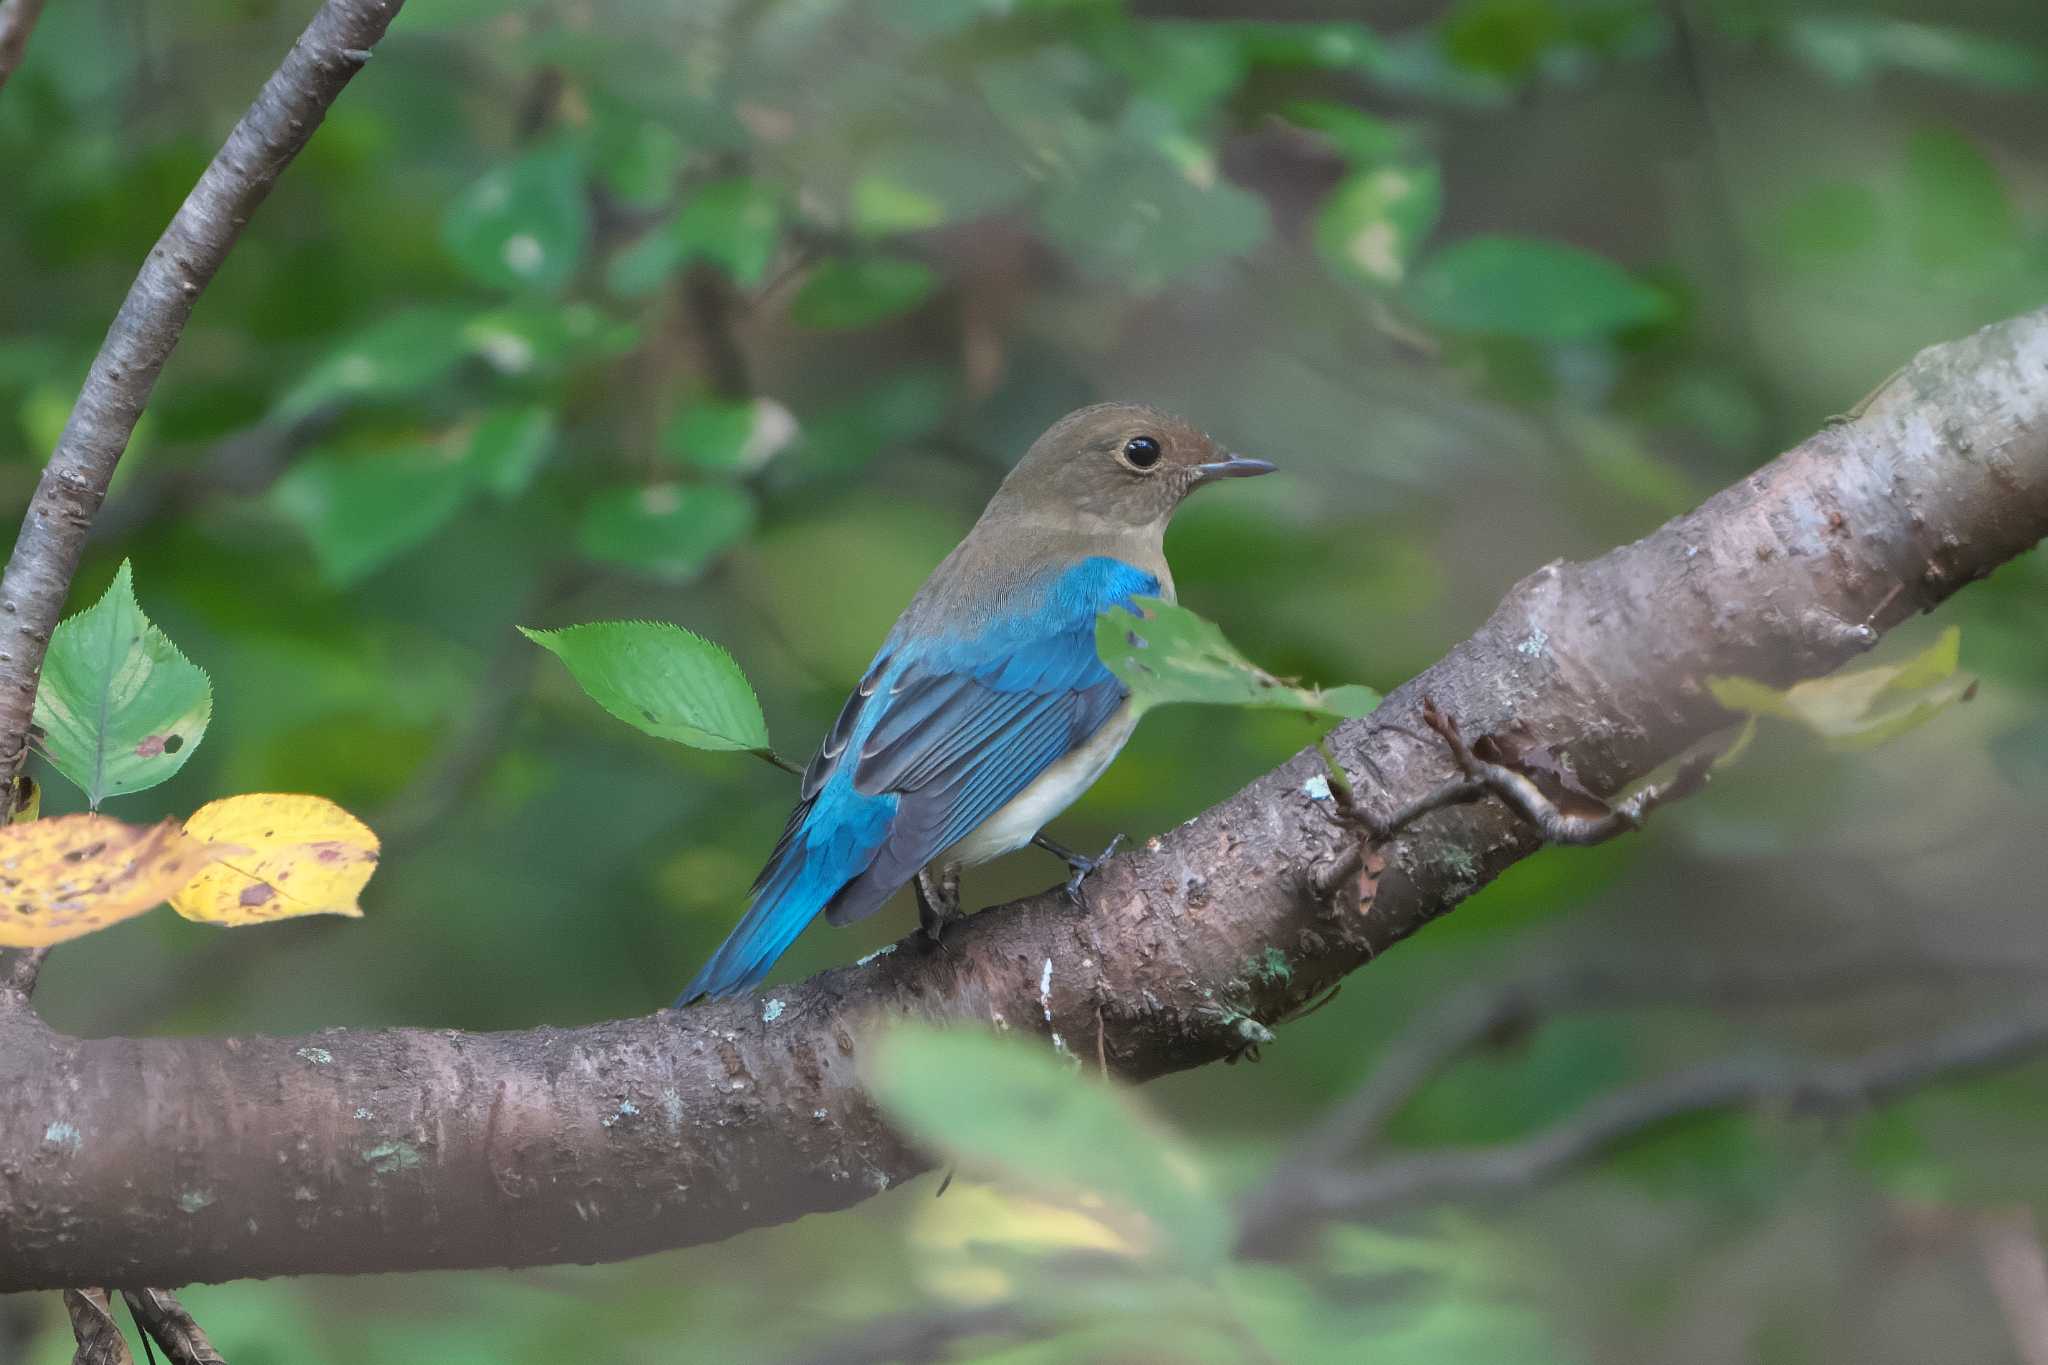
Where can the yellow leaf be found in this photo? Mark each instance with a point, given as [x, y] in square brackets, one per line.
[68, 876]
[283, 855]
[1858, 708]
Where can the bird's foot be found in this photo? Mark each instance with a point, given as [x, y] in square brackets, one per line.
[938, 902]
[1081, 864]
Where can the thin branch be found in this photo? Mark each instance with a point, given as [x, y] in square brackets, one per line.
[1270, 1218]
[1792, 1087]
[158, 1313]
[74, 483]
[17, 21]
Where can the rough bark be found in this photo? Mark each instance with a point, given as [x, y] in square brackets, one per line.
[181, 264]
[164, 1161]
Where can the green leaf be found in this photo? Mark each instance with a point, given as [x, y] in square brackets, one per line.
[360, 511]
[1169, 654]
[1860, 708]
[523, 225]
[1362, 138]
[1007, 1106]
[1175, 214]
[1854, 48]
[636, 159]
[1371, 225]
[735, 224]
[842, 293]
[508, 447]
[662, 679]
[907, 404]
[911, 186]
[526, 338]
[120, 707]
[1957, 211]
[734, 436]
[1542, 291]
[669, 530]
[400, 355]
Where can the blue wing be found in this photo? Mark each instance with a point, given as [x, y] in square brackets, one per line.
[942, 732]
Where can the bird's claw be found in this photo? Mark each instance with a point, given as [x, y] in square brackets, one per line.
[1083, 866]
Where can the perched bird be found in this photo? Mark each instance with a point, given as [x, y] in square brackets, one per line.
[986, 712]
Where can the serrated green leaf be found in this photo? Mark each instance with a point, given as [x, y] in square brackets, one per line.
[670, 530]
[508, 447]
[523, 225]
[1544, 291]
[360, 511]
[1169, 654]
[842, 293]
[1859, 708]
[1372, 224]
[662, 679]
[1004, 1106]
[120, 707]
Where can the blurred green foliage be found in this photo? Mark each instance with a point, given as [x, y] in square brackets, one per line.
[732, 313]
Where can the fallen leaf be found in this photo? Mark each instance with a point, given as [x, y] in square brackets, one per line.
[282, 855]
[67, 876]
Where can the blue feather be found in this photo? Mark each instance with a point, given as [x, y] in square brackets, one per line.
[943, 732]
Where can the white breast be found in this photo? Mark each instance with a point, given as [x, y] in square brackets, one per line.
[1058, 787]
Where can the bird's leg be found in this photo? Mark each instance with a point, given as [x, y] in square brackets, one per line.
[938, 901]
[1080, 863]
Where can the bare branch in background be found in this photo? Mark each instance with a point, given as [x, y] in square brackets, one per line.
[184, 260]
[1792, 1087]
[17, 21]
[1276, 1215]
[437, 1148]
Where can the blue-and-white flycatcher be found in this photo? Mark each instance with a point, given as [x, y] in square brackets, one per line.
[986, 712]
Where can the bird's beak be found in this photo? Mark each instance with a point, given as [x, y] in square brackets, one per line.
[1232, 467]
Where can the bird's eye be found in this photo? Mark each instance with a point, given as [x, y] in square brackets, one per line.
[1141, 452]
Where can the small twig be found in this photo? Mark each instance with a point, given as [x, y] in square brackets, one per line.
[159, 1314]
[94, 1329]
[1804, 1087]
[17, 21]
[1527, 800]
[152, 318]
[775, 760]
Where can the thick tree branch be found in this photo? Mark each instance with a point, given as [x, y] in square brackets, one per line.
[169, 1160]
[183, 261]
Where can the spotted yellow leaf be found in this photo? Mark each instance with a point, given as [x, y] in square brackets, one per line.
[64, 877]
[284, 855]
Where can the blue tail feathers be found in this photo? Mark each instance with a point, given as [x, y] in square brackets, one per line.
[831, 844]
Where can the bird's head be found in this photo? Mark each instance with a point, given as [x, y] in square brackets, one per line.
[1123, 464]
